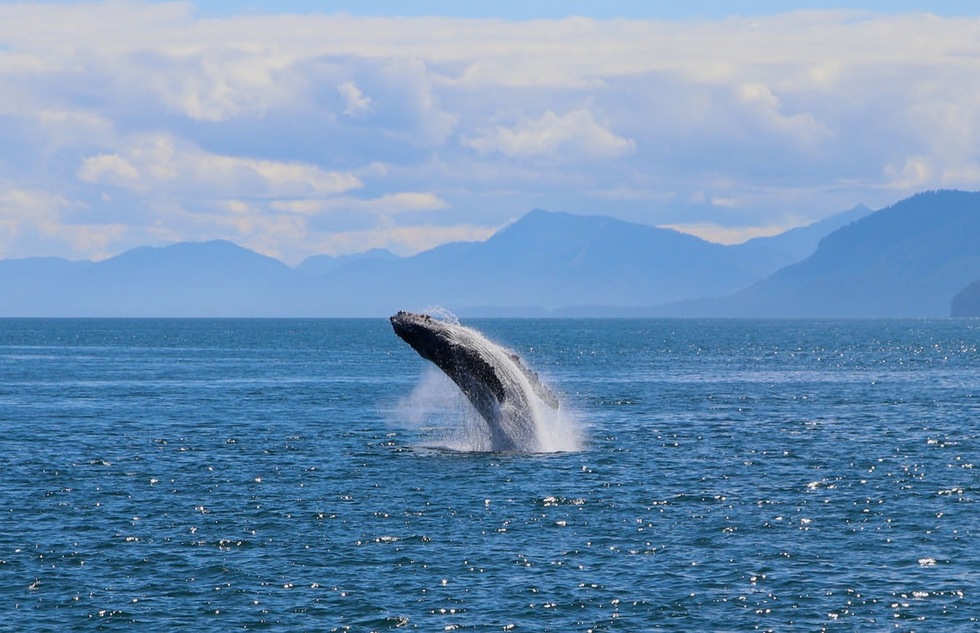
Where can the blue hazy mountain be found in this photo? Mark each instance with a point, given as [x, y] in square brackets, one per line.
[909, 259]
[39, 286]
[966, 302]
[548, 260]
[553, 262]
[766, 255]
[322, 264]
[214, 278]
[203, 278]
[906, 260]
[542, 262]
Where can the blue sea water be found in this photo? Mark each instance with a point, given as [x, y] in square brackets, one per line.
[314, 475]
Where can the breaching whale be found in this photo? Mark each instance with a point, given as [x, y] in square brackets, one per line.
[501, 388]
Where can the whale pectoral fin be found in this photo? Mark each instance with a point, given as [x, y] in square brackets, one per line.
[542, 392]
[545, 394]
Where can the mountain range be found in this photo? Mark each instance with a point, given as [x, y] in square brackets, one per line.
[966, 302]
[909, 259]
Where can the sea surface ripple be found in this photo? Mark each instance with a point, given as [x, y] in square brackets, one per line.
[267, 474]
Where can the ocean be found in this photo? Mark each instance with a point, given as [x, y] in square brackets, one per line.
[716, 475]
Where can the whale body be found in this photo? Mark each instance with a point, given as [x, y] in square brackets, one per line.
[500, 387]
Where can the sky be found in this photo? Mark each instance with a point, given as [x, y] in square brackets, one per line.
[302, 128]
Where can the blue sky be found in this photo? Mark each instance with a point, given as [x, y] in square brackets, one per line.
[536, 9]
[328, 127]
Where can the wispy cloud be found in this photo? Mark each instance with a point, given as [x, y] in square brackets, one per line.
[161, 163]
[727, 234]
[143, 122]
[572, 136]
[357, 102]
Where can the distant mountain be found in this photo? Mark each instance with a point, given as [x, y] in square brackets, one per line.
[966, 302]
[38, 286]
[546, 260]
[214, 278]
[906, 260]
[322, 264]
[765, 255]
[575, 265]
[540, 263]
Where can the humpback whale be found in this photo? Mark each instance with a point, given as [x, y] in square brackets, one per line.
[507, 394]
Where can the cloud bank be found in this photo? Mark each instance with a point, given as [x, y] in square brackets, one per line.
[127, 123]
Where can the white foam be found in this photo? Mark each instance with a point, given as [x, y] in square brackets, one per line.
[442, 314]
[439, 411]
[436, 407]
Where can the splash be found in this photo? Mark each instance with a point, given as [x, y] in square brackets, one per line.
[496, 403]
[443, 416]
[446, 420]
[442, 314]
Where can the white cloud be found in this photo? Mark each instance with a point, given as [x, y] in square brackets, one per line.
[110, 169]
[408, 201]
[388, 204]
[573, 136]
[40, 206]
[802, 128]
[34, 222]
[914, 172]
[404, 240]
[727, 234]
[261, 128]
[160, 162]
[358, 104]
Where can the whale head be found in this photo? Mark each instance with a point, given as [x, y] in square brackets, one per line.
[428, 336]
